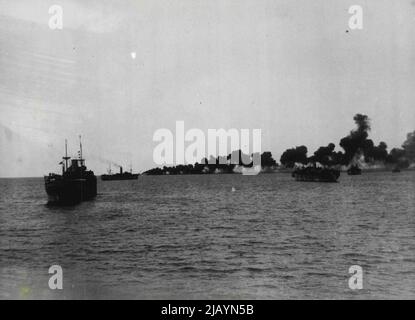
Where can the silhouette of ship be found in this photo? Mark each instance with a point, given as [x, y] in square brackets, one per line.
[74, 185]
[122, 175]
[396, 170]
[315, 174]
[354, 170]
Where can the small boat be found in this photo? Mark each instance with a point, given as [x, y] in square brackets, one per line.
[396, 170]
[354, 170]
[74, 185]
[315, 174]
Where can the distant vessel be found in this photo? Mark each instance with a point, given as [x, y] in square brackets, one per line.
[74, 185]
[396, 170]
[122, 175]
[354, 170]
[315, 174]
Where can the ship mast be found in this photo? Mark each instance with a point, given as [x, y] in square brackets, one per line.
[81, 160]
[66, 158]
[80, 147]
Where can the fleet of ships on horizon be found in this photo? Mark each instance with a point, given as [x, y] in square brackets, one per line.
[77, 184]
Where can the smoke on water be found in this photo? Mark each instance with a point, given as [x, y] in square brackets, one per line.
[358, 150]
[409, 146]
[354, 144]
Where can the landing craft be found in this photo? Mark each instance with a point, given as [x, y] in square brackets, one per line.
[316, 174]
[396, 170]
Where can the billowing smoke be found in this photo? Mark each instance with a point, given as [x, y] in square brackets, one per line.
[358, 148]
[354, 146]
[236, 162]
[403, 157]
[267, 160]
[397, 158]
[327, 156]
[374, 153]
[355, 143]
[295, 155]
[409, 146]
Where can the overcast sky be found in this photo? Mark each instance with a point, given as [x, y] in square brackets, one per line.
[286, 67]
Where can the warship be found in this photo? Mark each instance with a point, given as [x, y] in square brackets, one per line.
[75, 184]
[122, 175]
[354, 170]
[315, 174]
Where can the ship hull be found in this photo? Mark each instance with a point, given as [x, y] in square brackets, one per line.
[314, 179]
[114, 177]
[314, 175]
[70, 191]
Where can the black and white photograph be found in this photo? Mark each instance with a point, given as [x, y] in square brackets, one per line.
[233, 150]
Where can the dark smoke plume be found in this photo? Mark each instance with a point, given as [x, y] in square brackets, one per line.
[220, 164]
[327, 156]
[295, 155]
[403, 157]
[375, 153]
[409, 146]
[397, 157]
[355, 143]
